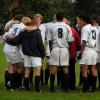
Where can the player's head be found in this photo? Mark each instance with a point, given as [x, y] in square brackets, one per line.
[83, 19]
[95, 20]
[37, 19]
[59, 16]
[16, 12]
[18, 17]
[26, 21]
[66, 21]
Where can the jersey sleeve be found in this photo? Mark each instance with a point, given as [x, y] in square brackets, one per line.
[85, 35]
[17, 40]
[40, 44]
[5, 34]
[70, 36]
[49, 33]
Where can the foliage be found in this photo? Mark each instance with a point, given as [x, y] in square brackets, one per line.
[88, 6]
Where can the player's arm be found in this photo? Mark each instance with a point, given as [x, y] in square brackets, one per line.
[9, 24]
[83, 46]
[84, 39]
[40, 44]
[70, 37]
[78, 41]
[16, 40]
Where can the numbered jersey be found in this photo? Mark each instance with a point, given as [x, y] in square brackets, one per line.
[89, 34]
[60, 34]
[14, 31]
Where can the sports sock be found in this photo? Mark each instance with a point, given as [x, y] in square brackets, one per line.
[37, 83]
[12, 77]
[52, 80]
[47, 73]
[26, 83]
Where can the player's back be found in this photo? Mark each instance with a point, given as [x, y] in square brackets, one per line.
[60, 34]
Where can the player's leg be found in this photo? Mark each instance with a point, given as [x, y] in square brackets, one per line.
[59, 76]
[6, 79]
[62, 78]
[66, 78]
[72, 77]
[27, 64]
[19, 73]
[98, 68]
[52, 77]
[37, 78]
[54, 62]
[26, 78]
[94, 69]
[37, 63]
[80, 77]
[12, 76]
[85, 78]
[31, 76]
[47, 74]
[94, 77]
[42, 76]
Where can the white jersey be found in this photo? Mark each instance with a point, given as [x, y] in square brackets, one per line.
[47, 35]
[60, 34]
[89, 34]
[98, 40]
[48, 26]
[14, 31]
[43, 32]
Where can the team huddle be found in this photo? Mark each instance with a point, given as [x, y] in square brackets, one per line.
[57, 45]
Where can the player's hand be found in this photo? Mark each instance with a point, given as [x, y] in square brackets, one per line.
[79, 56]
[9, 37]
[47, 57]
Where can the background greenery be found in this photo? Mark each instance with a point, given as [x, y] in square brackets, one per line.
[48, 7]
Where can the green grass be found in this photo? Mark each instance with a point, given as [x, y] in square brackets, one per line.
[46, 95]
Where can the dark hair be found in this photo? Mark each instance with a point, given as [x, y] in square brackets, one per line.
[96, 18]
[59, 16]
[85, 17]
[18, 17]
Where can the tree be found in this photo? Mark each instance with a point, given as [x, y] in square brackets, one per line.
[87, 6]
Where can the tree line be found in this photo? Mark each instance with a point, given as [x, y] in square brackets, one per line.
[48, 8]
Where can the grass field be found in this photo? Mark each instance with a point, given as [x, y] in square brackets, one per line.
[46, 95]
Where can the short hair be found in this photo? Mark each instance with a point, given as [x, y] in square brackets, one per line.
[96, 18]
[85, 17]
[59, 16]
[26, 20]
[18, 17]
[38, 15]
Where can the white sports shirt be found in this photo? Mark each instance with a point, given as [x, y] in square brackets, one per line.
[60, 34]
[14, 31]
[89, 34]
[98, 40]
[43, 32]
